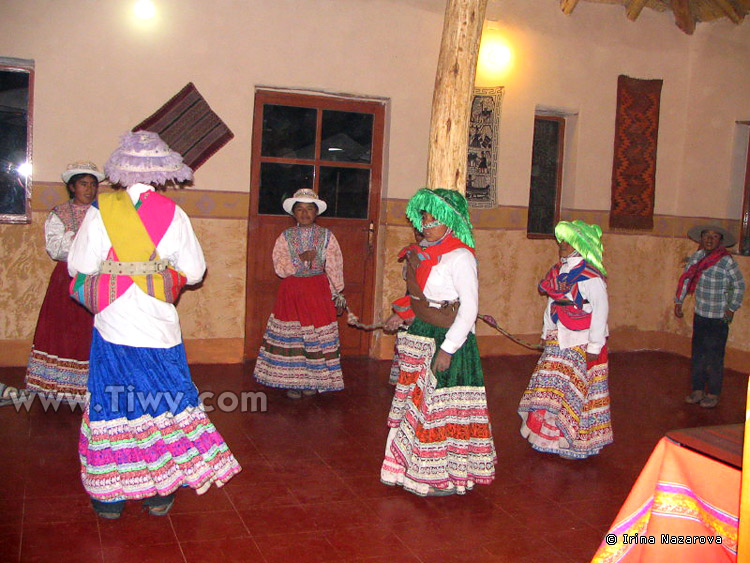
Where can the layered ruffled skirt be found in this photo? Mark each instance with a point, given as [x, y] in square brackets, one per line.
[144, 432]
[440, 438]
[59, 360]
[565, 408]
[300, 348]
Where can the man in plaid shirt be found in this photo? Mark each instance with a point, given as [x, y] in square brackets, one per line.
[716, 280]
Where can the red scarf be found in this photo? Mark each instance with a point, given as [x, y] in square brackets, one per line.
[557, 286]
[693, 274]
[428, 257]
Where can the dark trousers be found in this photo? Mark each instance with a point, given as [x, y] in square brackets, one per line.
[709, 343]
[119, 506]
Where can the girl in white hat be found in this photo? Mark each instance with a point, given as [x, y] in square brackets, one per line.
[300, 349]
[59, 360]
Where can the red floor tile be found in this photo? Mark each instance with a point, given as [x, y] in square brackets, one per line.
[203, 526]
[229, 550]
[300, 547]
[136, 527]
[68, 508]
[273, 520]
[310, 490]
[52, 541]
[164, 553]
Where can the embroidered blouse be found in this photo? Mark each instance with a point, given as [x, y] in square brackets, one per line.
[61, 226]
[328, 258]
[593, 290]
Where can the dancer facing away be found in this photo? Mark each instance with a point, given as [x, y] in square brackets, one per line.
[300, 349]
[143, 433]
[59, 359]
[715, 279]
[440, 439]
[565, 408]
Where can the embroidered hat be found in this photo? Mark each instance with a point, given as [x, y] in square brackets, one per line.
[728, 239]
[82, 167]
[585, 238]
[305, 195]
[144, 158]
[448, 207]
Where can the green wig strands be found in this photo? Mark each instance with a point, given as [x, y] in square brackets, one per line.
[585, 238]
[448, 207]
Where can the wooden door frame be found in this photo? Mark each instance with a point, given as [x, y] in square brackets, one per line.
[337, 103]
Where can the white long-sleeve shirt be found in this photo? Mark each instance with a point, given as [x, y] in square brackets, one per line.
[57, 240]
[135, 318]
[455, 277]
[594, 290]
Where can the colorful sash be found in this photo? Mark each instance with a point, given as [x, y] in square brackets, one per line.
[421, 259]
[692, 275]
[134, 234]
[569, 311]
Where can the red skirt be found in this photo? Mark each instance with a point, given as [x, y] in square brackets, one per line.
[300, 348]
[59, 360]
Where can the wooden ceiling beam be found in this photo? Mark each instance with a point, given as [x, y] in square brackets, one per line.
[633, 9]
[683, 17]
[726, 7]
[567, 6]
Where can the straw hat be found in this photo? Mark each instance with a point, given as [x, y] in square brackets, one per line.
[728, 238]
[144, 158]
[82, 167]
[305, 195]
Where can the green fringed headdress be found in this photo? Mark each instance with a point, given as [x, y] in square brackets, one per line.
[585, 238]
[448, 207]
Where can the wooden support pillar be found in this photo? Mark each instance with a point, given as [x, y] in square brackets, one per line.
[683, 17]
[634, 8]
[729, 10]
[567, 6]
[454, 90]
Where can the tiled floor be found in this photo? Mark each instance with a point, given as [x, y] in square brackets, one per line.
[309, 490]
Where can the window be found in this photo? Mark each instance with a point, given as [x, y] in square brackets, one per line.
[741, 178]
[546, 176]
[16, 99]
[328, 150]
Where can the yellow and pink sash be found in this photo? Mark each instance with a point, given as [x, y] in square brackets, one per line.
[134, 233]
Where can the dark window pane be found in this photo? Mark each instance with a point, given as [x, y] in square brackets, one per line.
[346, 136]
[288, 132]
[280, 181]
[544, 175]
[346, 191]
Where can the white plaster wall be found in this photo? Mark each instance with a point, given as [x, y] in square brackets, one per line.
[98, 74]
[572, 63]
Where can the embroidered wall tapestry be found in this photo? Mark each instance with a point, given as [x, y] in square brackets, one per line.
[189, 126]
[634, 162]
[484, 134]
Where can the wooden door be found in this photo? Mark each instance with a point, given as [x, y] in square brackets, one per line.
[334, 146]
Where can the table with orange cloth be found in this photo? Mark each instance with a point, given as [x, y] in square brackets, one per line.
[685, 504]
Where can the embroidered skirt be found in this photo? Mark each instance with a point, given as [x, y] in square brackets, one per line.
[440, 435]
[59, 360]
[143, 432]
[300, 348]
[565, 408]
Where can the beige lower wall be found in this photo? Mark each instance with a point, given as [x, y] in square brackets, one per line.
[643, 270]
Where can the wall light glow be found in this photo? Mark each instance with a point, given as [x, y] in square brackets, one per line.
[495, 54]
[144, 9]
[24, 169]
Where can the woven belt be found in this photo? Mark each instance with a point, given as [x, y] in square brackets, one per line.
[133, 268]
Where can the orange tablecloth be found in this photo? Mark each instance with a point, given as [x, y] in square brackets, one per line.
[680, 496]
